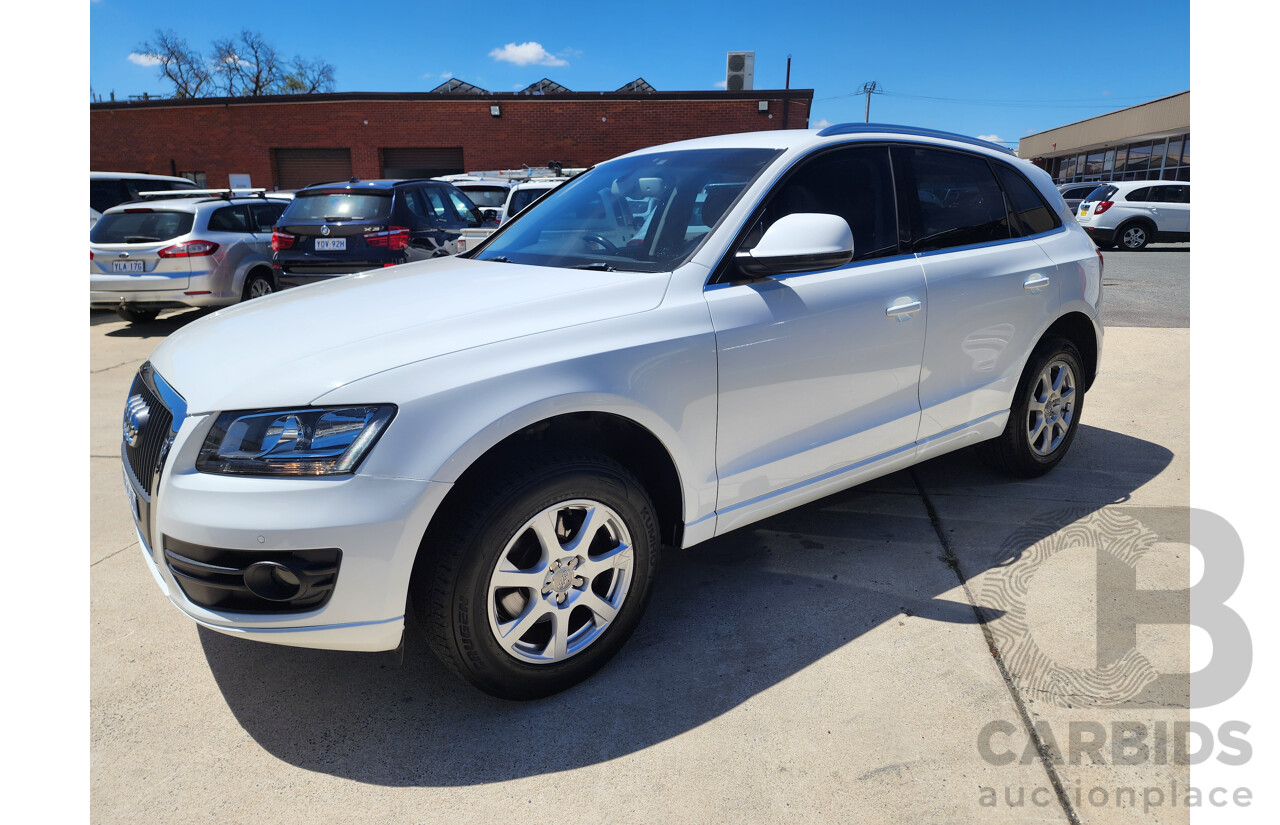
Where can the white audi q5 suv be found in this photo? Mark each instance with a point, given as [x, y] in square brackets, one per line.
[505, 439]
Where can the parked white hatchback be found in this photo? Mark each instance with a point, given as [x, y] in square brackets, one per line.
[506, 439]
[1132, 214]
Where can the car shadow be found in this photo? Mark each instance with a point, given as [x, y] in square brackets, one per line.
[729, 619]
[166, 324]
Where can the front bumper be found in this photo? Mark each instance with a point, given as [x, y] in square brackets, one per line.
[376, 522]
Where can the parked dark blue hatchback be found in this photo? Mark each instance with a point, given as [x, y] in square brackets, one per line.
[333, 229]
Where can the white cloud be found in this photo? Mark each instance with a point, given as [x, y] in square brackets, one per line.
[722, 84]
[820, 124]
[142, 59]
[991, 138]
[527, 54]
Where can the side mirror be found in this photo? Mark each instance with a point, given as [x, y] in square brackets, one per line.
[801, 242]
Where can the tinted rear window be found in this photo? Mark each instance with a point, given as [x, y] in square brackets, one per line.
[522, 198]
[1031, 215]
[490, 197]
[1102, 193]
[338, 206]
[141, 227]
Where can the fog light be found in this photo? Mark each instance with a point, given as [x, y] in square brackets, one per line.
[274, 581]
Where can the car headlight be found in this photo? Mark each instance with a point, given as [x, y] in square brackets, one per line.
[313, 441]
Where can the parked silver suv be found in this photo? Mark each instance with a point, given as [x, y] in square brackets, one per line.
[198, 251]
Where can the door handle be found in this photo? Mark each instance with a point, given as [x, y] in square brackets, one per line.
[1035, 283]
[903, 311]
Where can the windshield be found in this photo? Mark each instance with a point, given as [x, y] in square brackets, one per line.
[140, 226]
[646, 213]
[338, 206]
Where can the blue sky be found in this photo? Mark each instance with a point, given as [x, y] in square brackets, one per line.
[980, 68]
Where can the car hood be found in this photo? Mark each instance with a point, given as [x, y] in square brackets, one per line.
[292, 347]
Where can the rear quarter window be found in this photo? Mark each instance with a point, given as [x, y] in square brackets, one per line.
[1030, 214]
[140, 227]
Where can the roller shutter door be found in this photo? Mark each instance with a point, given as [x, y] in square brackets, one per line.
[298, 167]
[421, 163]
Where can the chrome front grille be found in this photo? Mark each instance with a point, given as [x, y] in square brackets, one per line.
[147, 425]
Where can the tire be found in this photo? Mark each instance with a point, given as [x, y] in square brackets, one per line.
[137, 316]
[257, 284]
[1045, 414]
[518, 617]
[1105, 244]
[1134, 236]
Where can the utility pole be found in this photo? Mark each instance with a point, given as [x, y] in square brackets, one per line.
[786, 98]
[868, 89]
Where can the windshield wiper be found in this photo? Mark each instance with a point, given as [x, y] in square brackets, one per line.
[598, 266]
[500, 259]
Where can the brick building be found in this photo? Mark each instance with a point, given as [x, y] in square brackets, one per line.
[287, 141]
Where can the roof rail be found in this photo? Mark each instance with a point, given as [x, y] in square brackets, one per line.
[916, 131]
[194, 193]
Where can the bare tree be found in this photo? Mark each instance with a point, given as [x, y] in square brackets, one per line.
[247, 65]
[308, 77]
[181, 66]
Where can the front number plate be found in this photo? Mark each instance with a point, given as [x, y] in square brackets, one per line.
[331, 244]
[133, 497]
[128, 266]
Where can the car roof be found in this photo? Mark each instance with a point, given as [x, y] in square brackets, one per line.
[188, 204]
[377, 183]
[801, 139]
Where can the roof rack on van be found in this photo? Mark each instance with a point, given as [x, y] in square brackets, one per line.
[203, 193]
[860, 128]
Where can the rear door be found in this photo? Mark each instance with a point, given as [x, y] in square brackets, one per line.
[131, 251]
[1175, 208]
[991, 287]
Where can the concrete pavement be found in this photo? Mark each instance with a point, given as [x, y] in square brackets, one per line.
[826, 665]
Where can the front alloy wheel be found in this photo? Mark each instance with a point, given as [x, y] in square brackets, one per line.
[560, 582]
[541, 572]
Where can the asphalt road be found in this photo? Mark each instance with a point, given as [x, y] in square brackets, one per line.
[1150, 288]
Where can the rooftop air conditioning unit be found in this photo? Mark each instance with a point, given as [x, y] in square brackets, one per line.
[739, 75]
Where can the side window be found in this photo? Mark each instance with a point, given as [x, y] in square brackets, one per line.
[230, 219]
[1179, 194]
[437, 209]
[1028, 211]
[960, 201]
[266, 215]
[414, 199]
[855, 183]
[464, 208]
[104, 194]
[1139, 195]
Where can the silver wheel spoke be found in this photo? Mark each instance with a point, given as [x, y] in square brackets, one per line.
[510, 632]
[603, 611]
[544, 529]
[510, 577]
[591, 525]
[558, 648]
[1036, 431]
[619, 556]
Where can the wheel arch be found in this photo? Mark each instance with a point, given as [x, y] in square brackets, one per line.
[1079, 329]
[619, 437]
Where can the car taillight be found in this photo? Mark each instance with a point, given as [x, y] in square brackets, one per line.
[1103, 207]
[396, 237]
[281, 240]
[189, 249]
[91, 254]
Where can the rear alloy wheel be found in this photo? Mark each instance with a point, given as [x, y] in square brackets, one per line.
[137, 316]
[544, 577]
[1045, 414]
[256, 285]
[1133, 236]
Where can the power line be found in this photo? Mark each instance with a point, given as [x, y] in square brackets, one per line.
[1088, 103]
